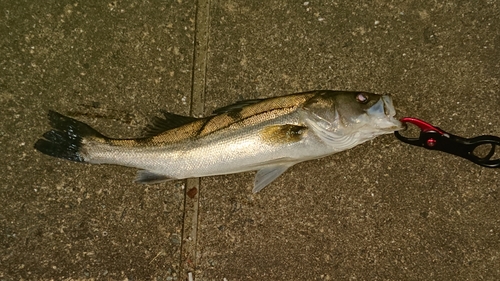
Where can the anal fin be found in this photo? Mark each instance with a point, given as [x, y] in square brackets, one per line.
[147, 177]
[267, 175]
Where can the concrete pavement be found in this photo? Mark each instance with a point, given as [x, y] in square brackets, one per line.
[381, 211]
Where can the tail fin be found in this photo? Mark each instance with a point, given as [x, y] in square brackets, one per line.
[65, 140]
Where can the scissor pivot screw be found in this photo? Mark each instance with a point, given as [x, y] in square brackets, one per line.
[431, 142]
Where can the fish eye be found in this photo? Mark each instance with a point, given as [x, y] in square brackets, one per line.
[362, 98]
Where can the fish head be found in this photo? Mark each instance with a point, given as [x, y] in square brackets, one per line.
[367, 111]
[346, 113]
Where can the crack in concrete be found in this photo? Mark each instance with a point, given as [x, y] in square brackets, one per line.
[189, 255]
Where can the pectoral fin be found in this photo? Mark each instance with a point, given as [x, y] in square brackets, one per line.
[148, 177]
[280, 134]
[266, 175]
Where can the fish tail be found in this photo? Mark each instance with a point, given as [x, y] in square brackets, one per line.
[65, 140]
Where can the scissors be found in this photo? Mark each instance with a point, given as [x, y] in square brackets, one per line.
[434, 138]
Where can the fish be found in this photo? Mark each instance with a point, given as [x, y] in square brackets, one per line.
[264, 135]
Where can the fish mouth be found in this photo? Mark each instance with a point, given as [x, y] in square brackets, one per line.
[385, 113]
[389, 109]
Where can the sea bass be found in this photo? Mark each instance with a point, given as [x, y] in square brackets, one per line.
[264, 135]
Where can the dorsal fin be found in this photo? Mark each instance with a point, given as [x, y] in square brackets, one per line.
[171, 121]
[236, 107]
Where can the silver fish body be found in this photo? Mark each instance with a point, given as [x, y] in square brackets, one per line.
[268, 136]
